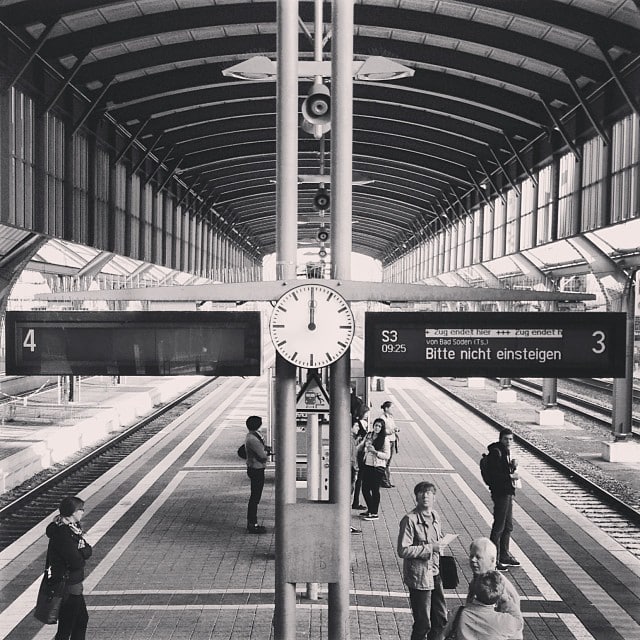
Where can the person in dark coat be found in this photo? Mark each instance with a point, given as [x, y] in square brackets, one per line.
[257, 457]
[502, 484]
[67, 553]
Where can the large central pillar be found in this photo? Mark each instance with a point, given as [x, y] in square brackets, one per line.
[286, 251]
[341, 243]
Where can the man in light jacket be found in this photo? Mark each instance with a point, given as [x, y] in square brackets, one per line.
[418, 546]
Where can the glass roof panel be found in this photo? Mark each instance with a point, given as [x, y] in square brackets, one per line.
[554, 254]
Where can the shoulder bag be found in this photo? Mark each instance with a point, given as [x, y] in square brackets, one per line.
[448, 572]
[50, 597]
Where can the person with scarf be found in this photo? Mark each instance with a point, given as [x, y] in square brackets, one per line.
[67, 554]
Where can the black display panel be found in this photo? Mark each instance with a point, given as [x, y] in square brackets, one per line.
[144, 343]
[503, 345]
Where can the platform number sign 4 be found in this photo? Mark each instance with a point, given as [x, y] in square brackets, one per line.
[29, 341]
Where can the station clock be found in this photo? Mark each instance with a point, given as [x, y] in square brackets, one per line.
[311, 326]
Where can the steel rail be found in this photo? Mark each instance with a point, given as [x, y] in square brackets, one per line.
[582, 406]
[50, 483]
[608, 498]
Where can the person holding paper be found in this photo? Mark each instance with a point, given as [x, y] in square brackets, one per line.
[420, 540]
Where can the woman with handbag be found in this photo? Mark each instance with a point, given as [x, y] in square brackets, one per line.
[419, 546]
[377, 449]
[66, 556]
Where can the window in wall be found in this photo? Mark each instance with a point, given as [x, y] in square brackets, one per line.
[468, 241]
[21, 163]
[544, 231]
[158, 231]
[487, 232]
[499, 223]
[449, 240]
[80, 188]
[593, 214]
[101, 238]
[430, 251]
[527, 214]
[460, 242]
[54, 175]
[567, 186]
[133, 219]
[120, 208]
[625, 169]
[146, 216]
[478, 216]
[512, 236]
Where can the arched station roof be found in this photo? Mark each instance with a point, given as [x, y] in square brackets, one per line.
[499, 86]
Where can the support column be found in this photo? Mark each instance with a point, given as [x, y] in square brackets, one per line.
[341, 244]
[286, 250]
[550, 415]
[622, 449]
[505, 393]
[314, 452]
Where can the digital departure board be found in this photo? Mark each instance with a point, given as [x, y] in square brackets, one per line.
[504, 345]
[149, 343]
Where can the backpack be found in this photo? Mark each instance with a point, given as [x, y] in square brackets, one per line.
[242, 452]
[485, 470]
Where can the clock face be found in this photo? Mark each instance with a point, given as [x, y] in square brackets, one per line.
[311, 326]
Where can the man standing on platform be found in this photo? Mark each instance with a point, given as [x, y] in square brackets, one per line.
[257, 455]
[502, 477]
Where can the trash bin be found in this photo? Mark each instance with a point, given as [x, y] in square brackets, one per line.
[380, 384]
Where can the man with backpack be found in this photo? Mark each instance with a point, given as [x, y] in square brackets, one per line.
[499, 471]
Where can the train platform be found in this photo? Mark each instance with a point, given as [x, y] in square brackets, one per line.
[172, 558]
[39, 431]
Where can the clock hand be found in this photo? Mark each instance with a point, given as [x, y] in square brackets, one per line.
[312, 312]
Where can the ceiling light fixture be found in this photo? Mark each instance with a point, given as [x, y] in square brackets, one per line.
[373, 69]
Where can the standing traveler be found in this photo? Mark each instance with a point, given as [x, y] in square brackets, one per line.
[257, 455]
[377, 450]
[479, 619]
[482, 559]
[67, 553]
[357, 406]
[357, 436]
[392, 434]
[418, 545]
[502, 478]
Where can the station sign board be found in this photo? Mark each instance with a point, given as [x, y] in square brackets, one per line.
[146, 343]
[553, 345]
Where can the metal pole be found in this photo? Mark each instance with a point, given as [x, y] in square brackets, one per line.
[286, 248]
[313, 476]
[341, 243]
[549, 392]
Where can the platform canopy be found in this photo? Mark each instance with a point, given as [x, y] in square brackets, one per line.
[497, 87]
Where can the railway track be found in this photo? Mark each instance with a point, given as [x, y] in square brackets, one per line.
[586, 407]
[31, 506]
[615, 517]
